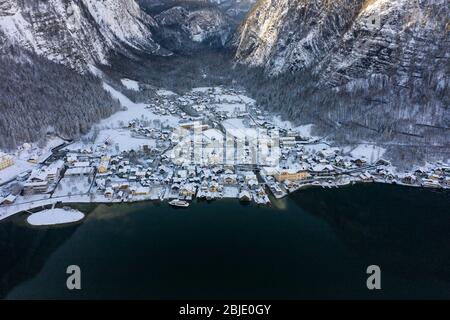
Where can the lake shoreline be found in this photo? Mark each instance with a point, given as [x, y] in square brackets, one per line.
[80, 199]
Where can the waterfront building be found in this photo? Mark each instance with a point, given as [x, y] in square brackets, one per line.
[188, 190]
[323, 170]
[230, 179]
[35, 187]
[408, 179]
[245, 196]
[291, 174]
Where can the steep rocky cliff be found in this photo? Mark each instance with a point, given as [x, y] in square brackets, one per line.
[184, 29]
[186, 26]
[78, 32]
[377, 70]
[347, 39]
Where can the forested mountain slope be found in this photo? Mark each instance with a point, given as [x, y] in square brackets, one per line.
[37, 96]
[78, 32]
[363, 69]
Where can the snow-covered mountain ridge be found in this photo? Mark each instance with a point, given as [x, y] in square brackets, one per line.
[78, 32]
[346, 39]
[372, 70]
[182, 30]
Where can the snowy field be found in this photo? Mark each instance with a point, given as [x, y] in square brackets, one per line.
[230, 107]
[130, 84]
[165, 93]
[134, 111]
[230, 192]
[112, 128]
[234, 123]
[123, 140]
[72, 186]
[368, 151]
[54, 216]
[304, 130]
[201, 89]
[312, 148]
[237, 127]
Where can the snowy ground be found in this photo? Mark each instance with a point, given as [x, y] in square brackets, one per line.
[368, 151]
[230, 192]
[112, 128]
[12, 172]
[130, 84]
[165, 93]
[230, 107]
[201, 90]
[304, 130]
[312, 148]
[54, 217]
[234, 123]
[72, 186]
[123, 139]
[134, 111]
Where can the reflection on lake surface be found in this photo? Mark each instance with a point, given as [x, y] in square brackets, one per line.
[315, 244]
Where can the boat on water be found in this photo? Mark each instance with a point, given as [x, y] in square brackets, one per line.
[179, 203]
[428, 183]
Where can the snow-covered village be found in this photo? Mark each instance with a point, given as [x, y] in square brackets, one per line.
[208, 144]
[222, 150]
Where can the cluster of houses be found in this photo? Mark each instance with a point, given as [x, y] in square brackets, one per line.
[157, 171]
[217, 104]
[169, 105]
[124, 181]
[436, 176]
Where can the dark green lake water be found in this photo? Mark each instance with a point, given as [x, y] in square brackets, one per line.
[315, 244]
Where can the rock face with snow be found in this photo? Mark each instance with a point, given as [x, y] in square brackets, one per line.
[345, 40]
[374, 70]
[78, 32]
[191, 25]
[234, 8]
[182, 29]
